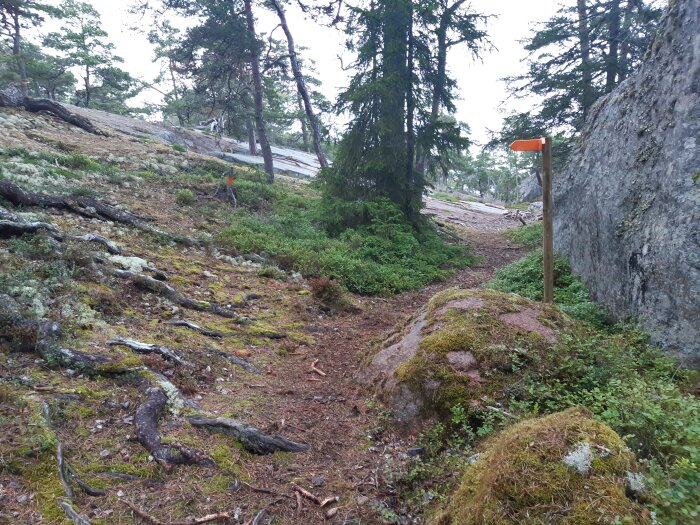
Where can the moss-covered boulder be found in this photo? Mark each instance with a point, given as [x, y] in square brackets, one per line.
[563, 469]
[467, 347]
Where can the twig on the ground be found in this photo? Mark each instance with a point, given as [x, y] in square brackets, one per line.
[315, 369]
[308, 495]
[194, 521]
[266, 491]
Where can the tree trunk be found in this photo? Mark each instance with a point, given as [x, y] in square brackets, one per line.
[410, 131]
[625, 45]
[250, 129]
[87, 87]
[301, 85]
[585, 44]
[17, 52]
[392, 107]
[613, 60]
[302, 120]
[258, 93]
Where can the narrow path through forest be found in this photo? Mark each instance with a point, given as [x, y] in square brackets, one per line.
[331, 412]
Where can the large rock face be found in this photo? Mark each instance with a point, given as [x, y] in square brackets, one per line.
[627, 209]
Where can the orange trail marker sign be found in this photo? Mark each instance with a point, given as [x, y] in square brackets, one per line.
[528, 145]
[545, 146]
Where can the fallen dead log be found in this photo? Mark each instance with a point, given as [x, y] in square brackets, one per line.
[252, 439]
[165, 290]
[146, 422]
[36, 105]
[146, 348]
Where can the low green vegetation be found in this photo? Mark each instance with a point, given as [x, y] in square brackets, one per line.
[445, 197]
[184, 197]
[302, 232]
[526, 277]
[530, 235]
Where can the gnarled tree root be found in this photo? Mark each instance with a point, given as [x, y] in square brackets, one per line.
[10, 229]
[146, 348]
[146, 423]
[35, 105]
[41, 337]
[252, 439]
[84, 206]
[165, 290]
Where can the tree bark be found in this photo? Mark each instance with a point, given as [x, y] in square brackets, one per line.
[252, 144]
[613, 59]
[302, 121]
[625, 45]
[410, 128]
[585, 46]
[301, 85]
[17, 52]
[258, 93]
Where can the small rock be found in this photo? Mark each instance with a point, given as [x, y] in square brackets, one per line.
[318, 481]
[104, 453]
[120, 493]
[22, 498]
[415, 451]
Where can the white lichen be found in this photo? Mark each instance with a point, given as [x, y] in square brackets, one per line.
[580, 458]
[132, 264]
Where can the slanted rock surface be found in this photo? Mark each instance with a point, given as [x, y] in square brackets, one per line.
[565, 468]
[627, 208]
[466, 347]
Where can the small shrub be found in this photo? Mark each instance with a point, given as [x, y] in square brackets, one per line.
[272, 272]
[180, 148]
[82, 191]
[184, 197]
[329, 293]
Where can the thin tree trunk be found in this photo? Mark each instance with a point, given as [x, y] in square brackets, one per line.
[258, 93]
[302, 120]
[585, 43]
[613, 59]
[625, 45]
[17, 52]
[250, 129]
[301, 85]
[410, 131]
[87, 87]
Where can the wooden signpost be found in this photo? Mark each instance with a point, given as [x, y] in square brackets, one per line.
[545, 146]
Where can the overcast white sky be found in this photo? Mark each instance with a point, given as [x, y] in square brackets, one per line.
[481, 90]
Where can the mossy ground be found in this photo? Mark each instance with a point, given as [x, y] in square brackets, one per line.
[520, 477]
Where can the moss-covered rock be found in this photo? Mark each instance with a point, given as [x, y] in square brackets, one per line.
[563, 469]
[468, 347]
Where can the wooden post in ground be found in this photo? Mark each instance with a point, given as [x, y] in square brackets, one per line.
[547, 219]
[545, 146]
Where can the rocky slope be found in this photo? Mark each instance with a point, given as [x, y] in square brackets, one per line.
[627, 208]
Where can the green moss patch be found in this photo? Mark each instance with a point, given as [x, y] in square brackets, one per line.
[565, 469]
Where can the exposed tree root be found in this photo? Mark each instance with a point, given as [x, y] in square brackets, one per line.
[194, 521]
[146, 423]
[93, 237]
[84, 206]
[165, 290]
[10, 229]
[145, 348]
[35, 105]
[41, 337]
[78, 519]
[202, 330]
[248, 367]
[252, 439]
